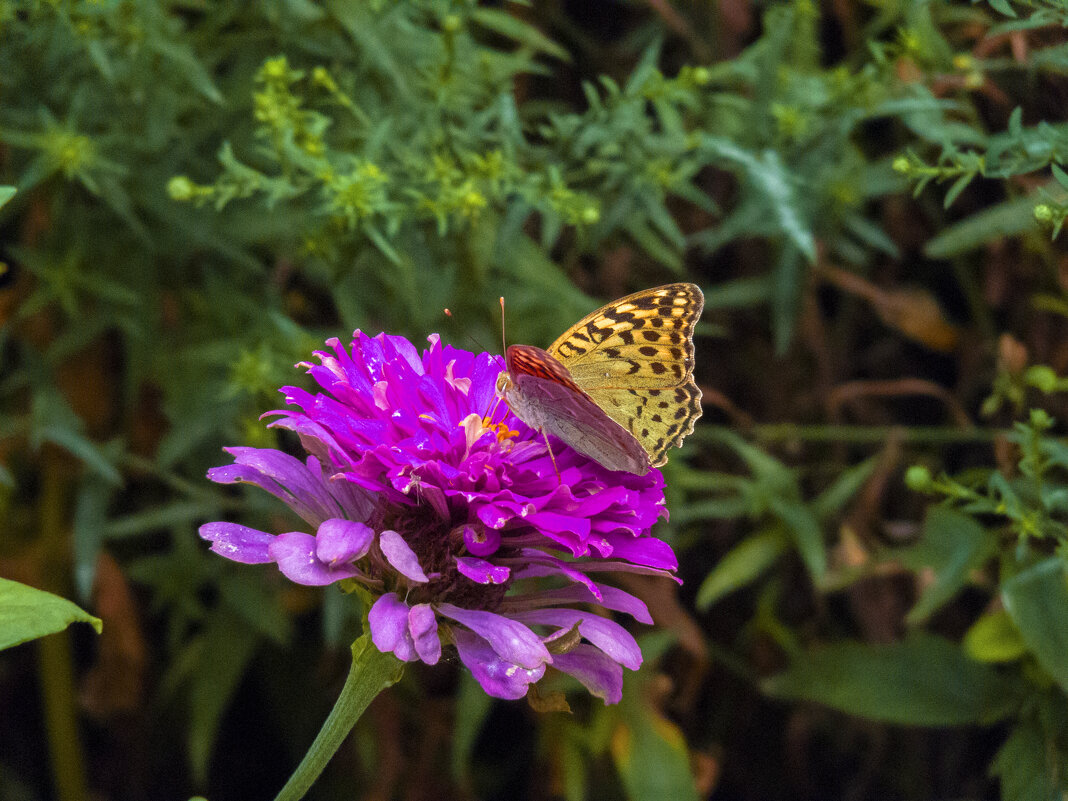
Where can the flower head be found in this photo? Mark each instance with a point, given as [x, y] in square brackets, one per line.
[446, 507]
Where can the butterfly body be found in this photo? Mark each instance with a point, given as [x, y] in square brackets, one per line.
[618, 385]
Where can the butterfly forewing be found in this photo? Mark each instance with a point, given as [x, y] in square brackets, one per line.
[634, 358]
[543, 395]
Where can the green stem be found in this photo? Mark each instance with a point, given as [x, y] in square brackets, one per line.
[872, 434]
[371, 672]
[54, 652]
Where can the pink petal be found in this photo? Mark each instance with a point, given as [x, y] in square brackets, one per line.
[399, 554]
[599, 674]
[512, 641]
[388, 620]
[481, 571]
[423, 628]
[498, 677]
[339, 541]
[239, 543]
[295, 554]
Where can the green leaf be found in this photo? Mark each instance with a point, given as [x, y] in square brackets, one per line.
[994, 638]
[1060, 175]
[27, 613]
[787, 283]
[372, 671]
[1037, 600]
[953, 544]
[649, 750]
[226, 648]
[958, 186]
[1023, 765]
[807, 533]
[6, 193]
[1003, 6]
[848, 483]
[503, 23]
[82, 448]
[743, 563]
[921, 681]
[739, 293]
[1006, 219]
[472, 709]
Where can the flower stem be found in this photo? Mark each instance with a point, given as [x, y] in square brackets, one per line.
[55, 655]
[371, 672]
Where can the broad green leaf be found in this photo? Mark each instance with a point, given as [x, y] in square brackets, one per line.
[994, 638]
[648, 750]
[1037, 600]
[741, 565]
[1023, 766]
[953, 545]
[27, 613]
[6, 193]
[922, 681]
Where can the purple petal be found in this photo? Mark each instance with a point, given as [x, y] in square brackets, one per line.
[513, 641]
[388, 620]
[481, 571]
[606, 634]
[481, 541]
[498, 677]
[239, 543]
[611, 598]
[423, 628]
[338, 541]
[283, 476]
[541, 564]
[399, 554]
[295, 554]
[647, 551]
[599, 674]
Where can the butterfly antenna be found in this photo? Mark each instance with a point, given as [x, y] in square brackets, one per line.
[480, 346]
[504, 341]
[468, 334]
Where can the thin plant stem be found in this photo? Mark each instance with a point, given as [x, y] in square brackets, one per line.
[54, 651]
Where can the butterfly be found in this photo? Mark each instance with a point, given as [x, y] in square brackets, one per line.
[618, 385]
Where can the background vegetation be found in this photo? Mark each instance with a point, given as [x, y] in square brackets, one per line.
[872, 517]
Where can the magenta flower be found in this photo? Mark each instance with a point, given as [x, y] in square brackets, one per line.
[422, 487]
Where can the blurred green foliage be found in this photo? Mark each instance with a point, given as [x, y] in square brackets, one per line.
[195, 195]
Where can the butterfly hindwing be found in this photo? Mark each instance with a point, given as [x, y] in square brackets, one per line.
[634, 358]
[618, 385]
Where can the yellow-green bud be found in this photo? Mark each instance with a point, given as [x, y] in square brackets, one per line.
[181, 188]
[918, 478]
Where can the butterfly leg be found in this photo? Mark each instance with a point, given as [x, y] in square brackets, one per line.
[549, 448]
